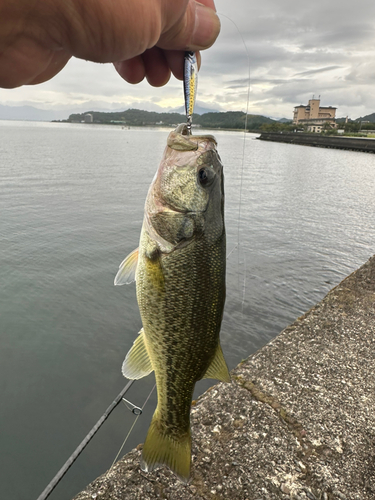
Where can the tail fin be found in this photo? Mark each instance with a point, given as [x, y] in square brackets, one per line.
[161, 448]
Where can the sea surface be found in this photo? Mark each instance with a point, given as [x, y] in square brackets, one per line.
[299, 220]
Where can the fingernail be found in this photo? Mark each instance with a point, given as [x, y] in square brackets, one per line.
[207, 27]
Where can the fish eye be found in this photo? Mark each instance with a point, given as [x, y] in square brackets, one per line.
[205, 176]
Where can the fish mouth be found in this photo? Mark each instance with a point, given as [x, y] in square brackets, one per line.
[181, 140]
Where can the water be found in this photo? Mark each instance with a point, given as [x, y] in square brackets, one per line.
[71, 205]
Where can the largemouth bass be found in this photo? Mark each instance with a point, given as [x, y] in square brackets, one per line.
[179, 270]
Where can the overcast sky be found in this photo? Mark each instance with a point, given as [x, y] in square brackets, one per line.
[297, 49]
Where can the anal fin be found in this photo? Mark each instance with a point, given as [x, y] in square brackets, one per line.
[137, 363]
[218, 368]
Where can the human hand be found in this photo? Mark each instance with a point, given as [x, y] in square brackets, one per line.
[143, 38]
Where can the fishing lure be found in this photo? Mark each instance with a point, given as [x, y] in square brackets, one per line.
[190, 85]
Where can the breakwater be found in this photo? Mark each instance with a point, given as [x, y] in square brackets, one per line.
[297, 422]
[322, 141]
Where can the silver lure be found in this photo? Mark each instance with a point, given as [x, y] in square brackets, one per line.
[190, 85]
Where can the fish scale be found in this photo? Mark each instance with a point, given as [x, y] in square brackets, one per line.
[187, 295]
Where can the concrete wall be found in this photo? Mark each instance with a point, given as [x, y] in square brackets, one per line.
[326, 141]
[297, 422]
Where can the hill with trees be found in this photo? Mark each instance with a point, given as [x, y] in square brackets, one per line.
[234, 120]
[368, 118]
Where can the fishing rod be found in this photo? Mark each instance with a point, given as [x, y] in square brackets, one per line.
[47, 491]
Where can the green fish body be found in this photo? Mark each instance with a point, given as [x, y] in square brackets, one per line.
[180, 279]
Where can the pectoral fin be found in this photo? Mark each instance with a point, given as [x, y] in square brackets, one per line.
[137, 363]
[218, 368]
[127, 269]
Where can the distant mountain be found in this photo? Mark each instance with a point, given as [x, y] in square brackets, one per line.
[136, 117]
[285, 120]
[30, 113]
[232, 120]
[367, 118]
[199, 109]
[206, 118]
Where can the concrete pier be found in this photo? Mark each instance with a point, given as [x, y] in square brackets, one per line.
[363, 144]
[297, 422]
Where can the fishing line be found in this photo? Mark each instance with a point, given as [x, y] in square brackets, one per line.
[233, 249]
[242, 165]
[244, 282]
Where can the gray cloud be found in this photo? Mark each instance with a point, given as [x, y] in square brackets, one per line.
[295, 49]
[318, 70]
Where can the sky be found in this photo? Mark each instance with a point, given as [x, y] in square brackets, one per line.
[294, 50]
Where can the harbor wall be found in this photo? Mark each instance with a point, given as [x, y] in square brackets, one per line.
[297, 421]
[362, 144]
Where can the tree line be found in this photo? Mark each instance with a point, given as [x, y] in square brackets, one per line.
[135, 117]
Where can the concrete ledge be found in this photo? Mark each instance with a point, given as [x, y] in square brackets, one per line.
[298, 420]
[321, 141]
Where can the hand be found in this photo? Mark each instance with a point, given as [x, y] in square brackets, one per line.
[143, 38]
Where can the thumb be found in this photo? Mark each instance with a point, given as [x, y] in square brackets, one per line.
[197, 29]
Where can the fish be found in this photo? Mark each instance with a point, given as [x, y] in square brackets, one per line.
[179, 269]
